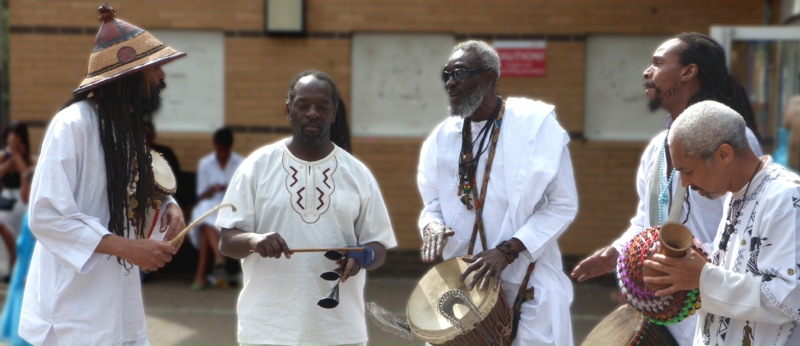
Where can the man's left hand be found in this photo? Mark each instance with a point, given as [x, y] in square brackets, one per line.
[348, 267]
[487, 265]
[172, 222]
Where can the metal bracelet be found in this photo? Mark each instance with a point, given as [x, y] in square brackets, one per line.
[506, 249]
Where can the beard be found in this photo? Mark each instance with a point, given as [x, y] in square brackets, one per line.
[152, 102]
[655, 103]
[469, 105]
[658, 100]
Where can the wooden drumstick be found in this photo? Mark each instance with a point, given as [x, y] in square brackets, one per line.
[339, 249]
[325, 249]
[194, 223]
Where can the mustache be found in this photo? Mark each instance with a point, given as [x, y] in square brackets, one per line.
[649, 85]
[162, 85]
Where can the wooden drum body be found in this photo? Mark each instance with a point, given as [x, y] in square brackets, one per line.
[626, 326]
[442, 311]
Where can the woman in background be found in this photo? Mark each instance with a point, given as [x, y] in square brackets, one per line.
[14, 159]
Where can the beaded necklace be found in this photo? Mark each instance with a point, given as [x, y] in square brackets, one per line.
[467, 180]
[665, 186]
[733, 216]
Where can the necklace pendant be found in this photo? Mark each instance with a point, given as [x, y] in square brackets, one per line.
[466, 201]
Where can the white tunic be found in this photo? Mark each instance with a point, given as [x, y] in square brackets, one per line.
[86, 298]
[750, 293]
[333, 202]
[531, 196]
[209, 173]
[704, 215]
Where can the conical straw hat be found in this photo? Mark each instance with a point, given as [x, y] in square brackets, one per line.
[120, 49]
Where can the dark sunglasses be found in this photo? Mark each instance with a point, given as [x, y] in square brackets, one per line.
[460, 74]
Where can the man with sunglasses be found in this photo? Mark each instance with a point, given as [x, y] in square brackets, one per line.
[497, 187]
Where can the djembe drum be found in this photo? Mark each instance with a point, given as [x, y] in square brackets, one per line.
[165, 185]
[626, 326]
[442, 311]
[163, 177]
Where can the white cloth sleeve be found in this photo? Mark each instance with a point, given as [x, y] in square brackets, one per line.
[639, 221]
[241, 193]
[372, 224]
[426, 182]
[56, 221]
[559, 205]
[203, 180]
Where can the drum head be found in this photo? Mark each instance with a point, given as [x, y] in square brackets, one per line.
[422, 310]
[163, 176]
[616, 329]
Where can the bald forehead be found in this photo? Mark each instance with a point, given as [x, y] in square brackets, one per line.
[463, 58]
[311, 82]
[671, 46]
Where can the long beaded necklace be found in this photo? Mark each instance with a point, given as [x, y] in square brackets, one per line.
[665, 186]
[467, 171]
[734, 215]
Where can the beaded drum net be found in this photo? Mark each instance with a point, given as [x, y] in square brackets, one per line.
[630, 272]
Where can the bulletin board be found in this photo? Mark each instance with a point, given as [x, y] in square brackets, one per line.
[194, 100]
[396, 85]
[616, 107]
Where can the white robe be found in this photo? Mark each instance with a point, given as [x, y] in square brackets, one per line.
[531, 196]
[704, 214]
[750, 293]
[209, 172]
[86, 298]
[332, 202]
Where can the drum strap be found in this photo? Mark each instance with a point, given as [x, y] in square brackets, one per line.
[466, 188]
[524, 294]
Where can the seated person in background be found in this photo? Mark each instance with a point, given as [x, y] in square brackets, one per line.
[214, 172]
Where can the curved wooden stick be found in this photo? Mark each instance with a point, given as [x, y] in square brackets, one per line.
[194, 223]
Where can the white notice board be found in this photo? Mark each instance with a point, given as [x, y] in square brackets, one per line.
[616, 107]
[194, 100]
[397, 86]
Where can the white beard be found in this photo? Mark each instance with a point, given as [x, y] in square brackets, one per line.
[469, 106]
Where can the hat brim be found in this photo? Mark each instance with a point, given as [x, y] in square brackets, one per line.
[163, 56]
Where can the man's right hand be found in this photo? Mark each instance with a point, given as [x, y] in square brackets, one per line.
[272, 245]
[601, 262]
[434, 238]
[150, 255]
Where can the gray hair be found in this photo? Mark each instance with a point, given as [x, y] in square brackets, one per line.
[706, 125]
[487, 54]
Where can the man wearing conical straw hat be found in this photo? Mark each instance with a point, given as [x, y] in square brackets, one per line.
[749, 291]
[92, 192]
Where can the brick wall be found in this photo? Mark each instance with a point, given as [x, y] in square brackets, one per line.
[50, 42]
